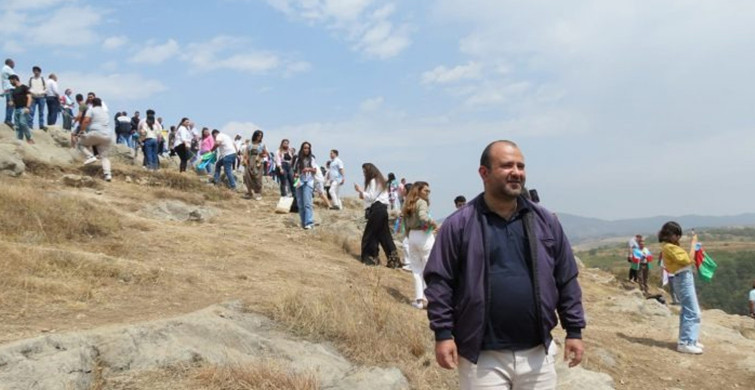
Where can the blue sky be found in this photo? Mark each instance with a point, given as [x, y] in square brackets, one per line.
[622, 109]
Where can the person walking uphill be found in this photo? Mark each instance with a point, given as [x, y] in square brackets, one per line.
[95, 131]
[227, 153]
[376, 232]
[680, 263]
[499, 270]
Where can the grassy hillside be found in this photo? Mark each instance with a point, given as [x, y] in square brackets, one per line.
[733, 249]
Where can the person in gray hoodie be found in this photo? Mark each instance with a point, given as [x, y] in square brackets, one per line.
[500, 269]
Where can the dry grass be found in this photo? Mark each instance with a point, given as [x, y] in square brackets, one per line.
[30, 216]
[370, 324]
[36, 274]
[266, 375]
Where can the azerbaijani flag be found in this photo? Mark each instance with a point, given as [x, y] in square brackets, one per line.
[706, 267]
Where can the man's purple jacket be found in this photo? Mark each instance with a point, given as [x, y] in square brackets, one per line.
[457, 277]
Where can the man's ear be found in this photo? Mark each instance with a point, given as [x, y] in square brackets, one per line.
[483, 171]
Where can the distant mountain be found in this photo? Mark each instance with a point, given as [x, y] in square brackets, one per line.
[581, 228]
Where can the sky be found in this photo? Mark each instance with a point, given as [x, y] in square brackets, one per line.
[622, 109]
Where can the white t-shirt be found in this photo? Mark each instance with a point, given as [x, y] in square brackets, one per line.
[7, 72]
[225, 145]
[752, 295]
[100, 120]
[374, 194]
[335, 170]
[182, 135]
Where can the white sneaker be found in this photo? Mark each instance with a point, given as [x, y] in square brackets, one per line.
[108, 178]
[691, 349]
[90, 160]
[699, 345]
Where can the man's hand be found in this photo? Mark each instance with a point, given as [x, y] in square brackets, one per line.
[573, 350]
[446, 355]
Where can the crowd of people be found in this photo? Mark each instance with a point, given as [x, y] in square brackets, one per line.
[488, 263]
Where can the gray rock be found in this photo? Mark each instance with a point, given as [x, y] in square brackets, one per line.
[78, 181]
[59, 137]
[218, 335]
[175, 210]
[11, 163]
[578, 378]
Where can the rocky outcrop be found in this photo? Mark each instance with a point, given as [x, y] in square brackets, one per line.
[11, 163]
[217, 335]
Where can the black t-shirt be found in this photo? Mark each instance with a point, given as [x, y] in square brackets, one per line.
[512, 320]
[20, 95]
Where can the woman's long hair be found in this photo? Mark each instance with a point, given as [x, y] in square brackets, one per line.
[181, 123]
[257, 136]
[300, 157]
[372, 172]
[669, 229]
[410, 205]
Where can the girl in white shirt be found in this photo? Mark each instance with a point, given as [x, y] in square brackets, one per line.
[182, 143]
[376, 232]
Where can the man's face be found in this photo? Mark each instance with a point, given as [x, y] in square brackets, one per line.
[506, 177]
[460, 204]
[14, 82]
[36, 73]
[332, 155]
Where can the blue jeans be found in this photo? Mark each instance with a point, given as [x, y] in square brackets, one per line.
[304, 202]
[689, 317]
[125, 139]
[37, 102]
[8, 108]
[150, 153]
[22, 126]
[227, 164]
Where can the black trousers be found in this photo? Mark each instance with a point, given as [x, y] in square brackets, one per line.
[183, 153]
[377, 232]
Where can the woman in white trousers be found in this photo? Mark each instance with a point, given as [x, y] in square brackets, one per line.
[419, 228]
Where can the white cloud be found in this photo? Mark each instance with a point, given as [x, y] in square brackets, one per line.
[115, 86]
[218, 53]
[156, 53]
[67, 26]
[365, 24]
[28, 4]
[298, 67]
[671, 78]
[116, 42]
[443, 75]
[371, 104]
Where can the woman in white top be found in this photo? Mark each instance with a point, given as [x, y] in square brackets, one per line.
[182, 143]
[376, 232]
